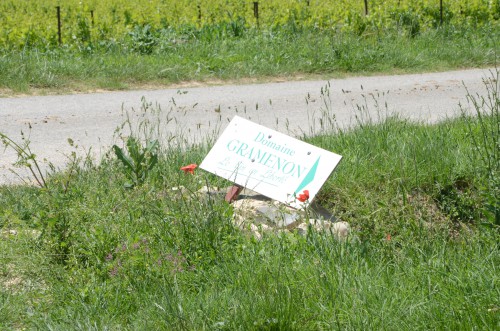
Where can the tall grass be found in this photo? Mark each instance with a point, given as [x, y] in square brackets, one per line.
[257, 54]
[486, 153]
[97, 255]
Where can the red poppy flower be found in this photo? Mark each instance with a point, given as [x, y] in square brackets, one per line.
[304, 196]
[189, 168]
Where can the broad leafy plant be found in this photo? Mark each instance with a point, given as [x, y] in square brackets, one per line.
[138, 161]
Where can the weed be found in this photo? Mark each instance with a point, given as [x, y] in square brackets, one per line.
[484, 133]
[139, 161]
[55, 221]
[26, 158]
[459, 201]
[143, 39]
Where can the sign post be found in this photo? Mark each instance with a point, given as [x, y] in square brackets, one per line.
[269, 162]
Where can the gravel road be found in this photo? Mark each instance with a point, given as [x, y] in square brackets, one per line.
[91, 120]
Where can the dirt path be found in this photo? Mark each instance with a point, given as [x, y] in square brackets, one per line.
[90, 120]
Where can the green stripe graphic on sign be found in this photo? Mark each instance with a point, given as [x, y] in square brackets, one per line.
[309, 177]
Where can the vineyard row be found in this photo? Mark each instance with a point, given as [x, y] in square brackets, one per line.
[52, 22]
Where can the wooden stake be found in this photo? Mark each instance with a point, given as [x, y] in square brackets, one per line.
[441, 11]
[256, 11]
[233, 193]
[58, 8]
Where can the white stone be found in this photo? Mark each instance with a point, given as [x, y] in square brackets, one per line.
[205, 189]
[179, 191]
[255, 230]
[302, 229]
[341, 229]
[265, 212]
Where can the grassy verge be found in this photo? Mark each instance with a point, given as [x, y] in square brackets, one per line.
[84, 252]
[209, 56]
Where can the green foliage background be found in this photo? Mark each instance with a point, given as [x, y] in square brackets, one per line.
[29, 23]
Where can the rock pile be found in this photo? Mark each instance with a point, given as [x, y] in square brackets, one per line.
[260, 214]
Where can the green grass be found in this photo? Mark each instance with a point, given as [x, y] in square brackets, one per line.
[92, 254]
[207, 56]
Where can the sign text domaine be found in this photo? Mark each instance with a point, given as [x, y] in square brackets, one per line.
[269, 162]
[282, 163]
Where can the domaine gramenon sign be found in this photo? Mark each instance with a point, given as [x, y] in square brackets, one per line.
[269, 162]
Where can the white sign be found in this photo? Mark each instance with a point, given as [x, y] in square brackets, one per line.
[270, 163]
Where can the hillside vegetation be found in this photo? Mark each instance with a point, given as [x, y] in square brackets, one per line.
[125, 44]
[89, 22]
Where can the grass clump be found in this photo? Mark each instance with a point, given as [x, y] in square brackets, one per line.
[188, 55]
[95, 255]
